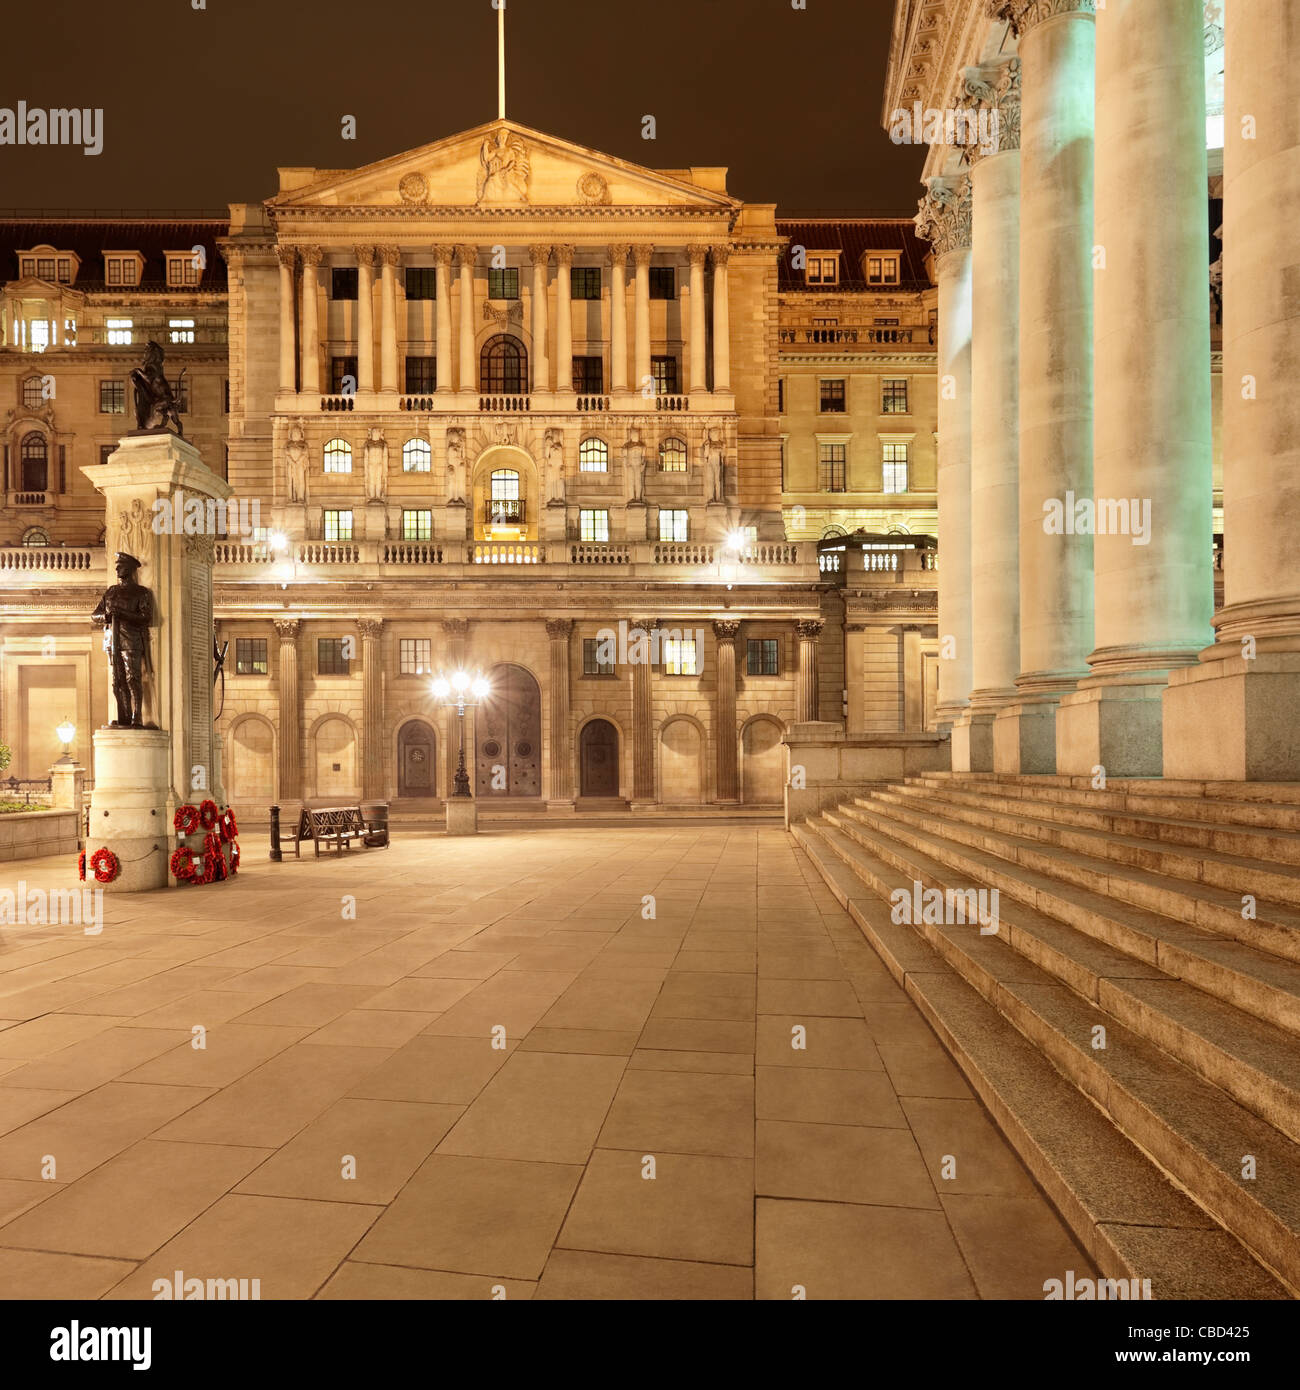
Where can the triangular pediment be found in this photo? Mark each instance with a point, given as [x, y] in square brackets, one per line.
[500, 165]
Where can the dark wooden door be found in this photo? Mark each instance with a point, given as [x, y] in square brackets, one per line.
[599, 745]
[415, 760]
[508, 758]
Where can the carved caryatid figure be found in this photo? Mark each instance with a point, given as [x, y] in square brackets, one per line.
[376, 465]
[634, 466]
[456, 465]
[554, 446]
[295, 459]
[126, 612]
[155, 405]
[715, 465]
[503, 167]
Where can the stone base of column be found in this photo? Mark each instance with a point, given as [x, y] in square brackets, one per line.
[561, 807]
[1115, 727]
[1024, 738]
[636, 807]
[1234, 720]
[462, 815]
[130, 810]
[972, 741]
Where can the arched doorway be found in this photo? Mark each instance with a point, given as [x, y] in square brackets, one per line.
[762, 764]
[503, 366]
[250, 761]
[508, 756]
[598, 747]
[416, 759]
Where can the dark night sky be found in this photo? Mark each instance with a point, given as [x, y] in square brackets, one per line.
[200, 107]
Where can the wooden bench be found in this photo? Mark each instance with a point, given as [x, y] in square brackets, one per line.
[337, 826]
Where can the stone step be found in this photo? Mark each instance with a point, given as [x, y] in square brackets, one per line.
[1064, 886]
[1130, 1217]
[1267, 843]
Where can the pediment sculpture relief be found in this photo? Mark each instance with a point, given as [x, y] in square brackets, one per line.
[503, 168]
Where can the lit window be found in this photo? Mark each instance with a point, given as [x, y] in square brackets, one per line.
[597, 659]
[831, 464]
[29, 265]
[593, 456]
[119, 332]
[330, 658]
[505, 485]
[894, 468]
[673, 523]
[680, 657]
[182, 330]
[40, 334]
[112, 398]
[416, 656]
[36, 535]
[181, 269]
[34, 392]
[338, 526]
[893, 396]
[417, 525]
[751, 538]
[822, 269]
[593, 525]
[338, 456]
[760, 656]
[45, 268]
[250, 656]
[882, 270]
[664, 372]
[672, 456]
[417, 457]
[832, 397]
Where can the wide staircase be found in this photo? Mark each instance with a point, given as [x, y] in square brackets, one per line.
[1166, 914]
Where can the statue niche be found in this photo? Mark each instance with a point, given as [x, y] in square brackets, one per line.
[295, 455]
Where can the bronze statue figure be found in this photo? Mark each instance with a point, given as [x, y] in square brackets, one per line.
[155, 404]
[126, 610]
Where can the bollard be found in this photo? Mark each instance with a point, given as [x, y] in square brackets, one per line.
[276, 856]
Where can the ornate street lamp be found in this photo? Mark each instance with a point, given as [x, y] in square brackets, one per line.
[453, 693]
[66, 731]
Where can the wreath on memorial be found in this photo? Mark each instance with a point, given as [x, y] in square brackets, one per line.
[213, 861]
[186, 820]
[229, 828]
[105, 865]
[208, 814]
[234, 856]
[81, 866]
[182, 864]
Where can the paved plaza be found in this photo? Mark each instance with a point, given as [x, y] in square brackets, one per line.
[549, 1063]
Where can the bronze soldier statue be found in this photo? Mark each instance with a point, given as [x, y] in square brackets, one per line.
[126, 610]
[155, 405]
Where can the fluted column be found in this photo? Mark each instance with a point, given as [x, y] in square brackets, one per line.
[286, 255]
[643, 722]
[1057, 50]
[699, 323]
[1234, 716]
[563, 318]
[618, 318]
[365, 318]
[641, 256]
[945, 220]
[468, 378]
[290, 788]
[810, 631]
[995, 394]
[442, 291]
[541, 259]
[560, 782]
[721, 321]
[724, 709]
[372, 707]
[391, 258]
[311, 259]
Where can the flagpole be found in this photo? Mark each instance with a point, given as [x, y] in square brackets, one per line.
[501, 60]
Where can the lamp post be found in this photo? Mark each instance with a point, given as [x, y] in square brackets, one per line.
[66, 732]
[454, 692]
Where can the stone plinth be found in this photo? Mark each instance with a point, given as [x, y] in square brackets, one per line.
[130, 807]
[1234, 720]
[825, 766]
[67, 786]
[462, 815]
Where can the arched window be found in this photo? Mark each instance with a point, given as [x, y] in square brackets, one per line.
[503, 366]
[505, 485]
[672, 456]
[416, 456]
[338, 456]
[34, 535]
[34, 392]
[593, 456]
[34, 454]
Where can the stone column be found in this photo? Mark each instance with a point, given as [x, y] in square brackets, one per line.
[372, 707]
[563, 318]
[721, 321]
[1056, 50]
[1154, 584]
[286, 255]
[365, 318]
[442, 290]
[560, 788]
[311, 259]
[643, 722]
[452, 658]
[468, 378]
[290, 788]
[995, 393]
[945, 220]
[724, 709]
[541, 259]
[699, 379]
[391, 258]
[618, 318]
[641, 256]
[1233, 717]
[807, 705]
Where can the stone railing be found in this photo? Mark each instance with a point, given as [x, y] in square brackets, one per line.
[242, 553]
[507, 553]
[29, 499]
[340, 402]
[594, 553]
[504, 405]
[328, 552]
[410, 553]
[672, 403]
[874, 335]
[593, 405]
[683, 553]
[51, 558]
[426, 403]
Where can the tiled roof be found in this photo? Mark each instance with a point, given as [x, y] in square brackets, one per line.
[853, 236]
[91, 237]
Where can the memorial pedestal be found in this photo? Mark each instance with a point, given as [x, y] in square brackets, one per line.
[131, 806]
[462, 815]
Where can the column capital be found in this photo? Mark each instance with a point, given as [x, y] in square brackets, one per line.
[311, 256]
[725, 629]
[365, 256]
[1023, 15]
[642, 253]
[721, 254]
[618, 252]
[992, 91]
[563, 256]
[287, 256]
[288, 628]
[467, 255]
[389, 255]
[809, 627]
[441, 254]
[697, 255]
[455, 627]
[644, 624]
[943, 215]
[558, 629]
[370, 627]
[540, 255]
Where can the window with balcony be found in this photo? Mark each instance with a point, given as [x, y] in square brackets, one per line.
[112, 398]
[832, 465]
[338, 456]
[894, 468]
[893, 396]
[417, 456]
[674, 524]
[663, 282]
[330, 656]
[343, 282]
[664, 371]
[593, 456]
[34, 459]
[597, 659]
[343, 375]
[250, 656]
[593, 525]
[338, 525]
[680, 657]
[181, 330]
[672, 456]
[503, 366]
[588, 376]
[505, 505]
[421, 375]
[761, 656]
[415, 656]
[421, 282]
[832, 397]
[34, 392]
[584, 282]
[119, 332]
[417, 525]
[503, 283]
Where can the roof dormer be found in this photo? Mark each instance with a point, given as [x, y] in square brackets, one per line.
[47, 263]
[124, 268]
[185, 268]
[881, 269]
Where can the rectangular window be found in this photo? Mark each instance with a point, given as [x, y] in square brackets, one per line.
[504, 283]
[29, 265]
[119, 332]
[674, 523]
[893, 396]
[421, 282]
[65, 272]
[823, 270]
[416, 656]
[588, 376]
[45, 268]
[330, 658]
[664, 371]
[106, 451]
[114, 269]
[831, 465]
[343, 282]
[680, 657]
[417, 525]
[338, 525]
[181, 330]
[341, 368]
[663, 282]
[832, 396]
[592, 664]
[250, 656]
[894, 468]
[421, 375]
[882, 270]
[112, 398]
[760, 656]
[593, 525]
[181, 270]
[584, 282]
[130, 273]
